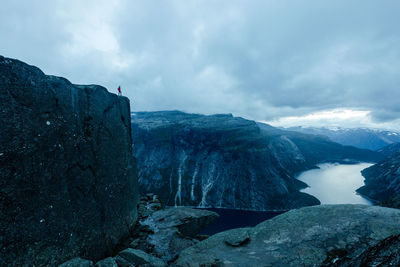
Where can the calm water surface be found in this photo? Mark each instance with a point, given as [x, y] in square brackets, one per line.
[230, 219]
[331, 184]
[335, 183]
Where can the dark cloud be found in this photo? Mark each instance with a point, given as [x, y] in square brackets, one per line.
[258, 59]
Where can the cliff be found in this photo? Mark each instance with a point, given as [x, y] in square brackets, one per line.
[226, 161]
[382, 181]
[68, 181]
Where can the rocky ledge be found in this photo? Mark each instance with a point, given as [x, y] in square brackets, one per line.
[165, 232]
[312, 236]
[158, 237]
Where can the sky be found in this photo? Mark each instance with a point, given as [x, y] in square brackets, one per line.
[285, 62]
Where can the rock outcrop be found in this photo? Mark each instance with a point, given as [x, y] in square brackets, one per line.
[68, 180]
[159, 236]
[382, 181]
[107, 262]
[384, 254]
[165, 232]
[77, 262]
[174, 229]
[311, 236]
[226, 161]
[134, 257]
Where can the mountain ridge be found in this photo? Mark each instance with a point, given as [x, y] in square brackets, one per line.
[366, 138]
[226, 161]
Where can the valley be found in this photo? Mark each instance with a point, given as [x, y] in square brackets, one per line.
[82, 184]
[224, 161]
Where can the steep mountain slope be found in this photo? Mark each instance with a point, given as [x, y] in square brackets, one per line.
[389, 150]
[382, 181]
[226, 161]
[358, 137]
[68, 181]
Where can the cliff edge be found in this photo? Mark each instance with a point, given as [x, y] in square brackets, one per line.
[382, 181]
[313, 236]
[68, 181]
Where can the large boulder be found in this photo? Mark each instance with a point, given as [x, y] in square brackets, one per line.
[311, 236]
[134, 257]
[107, 262]
[165, 233]
[68, 181]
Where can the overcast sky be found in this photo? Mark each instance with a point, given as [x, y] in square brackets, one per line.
[286, 62]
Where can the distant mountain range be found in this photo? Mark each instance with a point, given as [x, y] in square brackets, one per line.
[230, 162]
[358, 137]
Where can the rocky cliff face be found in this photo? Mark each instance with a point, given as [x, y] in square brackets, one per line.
[312, 236]
[68, 181]
[389, 150]
[382, 181]
[226, 161]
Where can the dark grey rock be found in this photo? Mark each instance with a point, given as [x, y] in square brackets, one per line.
[382, 182]
[107, 262]
[237, 238]
[68, 181]
[148, 205]
[174, 229]
[188, 221]
[135, 257]
[134, 243]
[384, 254]
[77, 262]
[311, 236]
[229, 162]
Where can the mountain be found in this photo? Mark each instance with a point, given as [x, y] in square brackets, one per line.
[68, 181]
[382, 181]
[389, 150]
[226, 161]
[358, 137]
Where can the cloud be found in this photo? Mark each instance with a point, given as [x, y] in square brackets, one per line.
[346, 118]
[263, 60]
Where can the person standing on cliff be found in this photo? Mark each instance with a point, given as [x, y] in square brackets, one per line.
[119, 90]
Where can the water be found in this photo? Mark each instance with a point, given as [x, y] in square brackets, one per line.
[336, 183]
[230, 219]
[331, 184]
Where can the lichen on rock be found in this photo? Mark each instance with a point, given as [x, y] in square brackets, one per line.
[68, 180]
